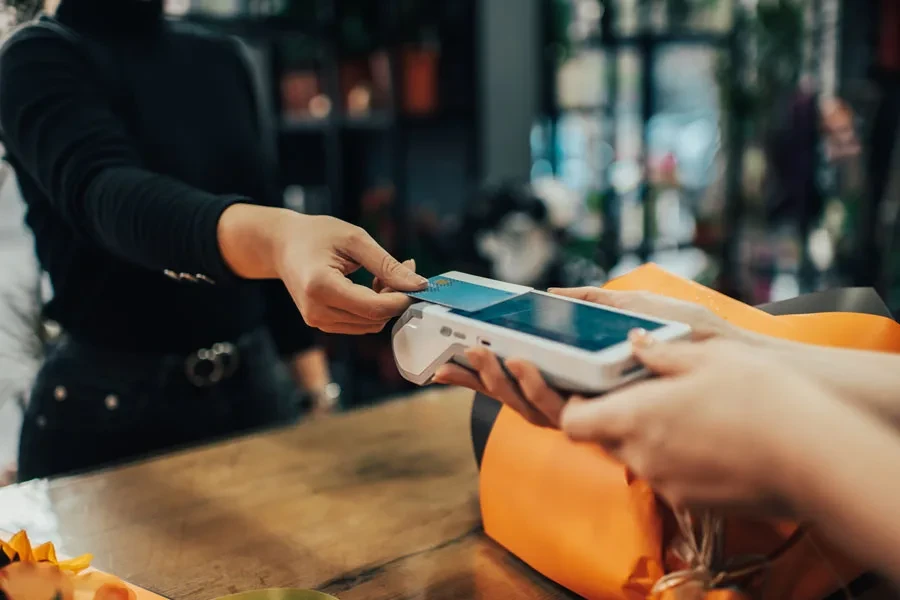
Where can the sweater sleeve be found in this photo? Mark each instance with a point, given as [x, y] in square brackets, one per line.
[58, 125]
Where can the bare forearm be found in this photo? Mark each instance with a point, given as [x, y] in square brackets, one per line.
[311, 369]
[870, 380]
[250, 238]
[845, 480]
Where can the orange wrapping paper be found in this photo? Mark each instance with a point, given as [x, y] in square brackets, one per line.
[571, 512]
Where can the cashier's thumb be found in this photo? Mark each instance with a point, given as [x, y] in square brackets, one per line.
[674, 358]
[387, 269]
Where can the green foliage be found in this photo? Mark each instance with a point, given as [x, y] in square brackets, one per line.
[771, 37]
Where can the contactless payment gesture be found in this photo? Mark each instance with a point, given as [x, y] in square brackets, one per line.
[579, 347]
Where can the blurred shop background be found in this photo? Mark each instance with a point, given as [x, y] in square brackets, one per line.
[747, 144]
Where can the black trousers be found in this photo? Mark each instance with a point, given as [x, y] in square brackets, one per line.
[90, 407]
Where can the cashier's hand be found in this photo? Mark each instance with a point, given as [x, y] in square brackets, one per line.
[383, 288]
[315, 269]
[704, 323]
[718, 429]
[520, 386]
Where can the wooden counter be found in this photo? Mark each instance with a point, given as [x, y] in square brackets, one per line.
[376, 504]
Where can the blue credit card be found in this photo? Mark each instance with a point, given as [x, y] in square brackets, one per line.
[461, 295]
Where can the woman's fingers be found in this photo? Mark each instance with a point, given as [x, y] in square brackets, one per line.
[327, 318]
[518, 384]
[355, 328]
[615, 299]
[536, 391]
[619, 416]
[379, 286]
[451, 374]
[500, 385]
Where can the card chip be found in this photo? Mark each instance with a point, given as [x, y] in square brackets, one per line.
[461, 295]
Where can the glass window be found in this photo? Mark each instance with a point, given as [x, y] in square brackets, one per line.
[684, 129]
[691, 15]
[581, 80]
[582, 151]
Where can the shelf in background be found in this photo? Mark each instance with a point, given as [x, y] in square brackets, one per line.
[255, 26]
[372, 122]
[381, 122]
[305, 125]
[710, 38]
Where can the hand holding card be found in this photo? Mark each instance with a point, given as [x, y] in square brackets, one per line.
[574, 345]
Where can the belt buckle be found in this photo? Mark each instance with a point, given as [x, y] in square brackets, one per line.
[221, 361]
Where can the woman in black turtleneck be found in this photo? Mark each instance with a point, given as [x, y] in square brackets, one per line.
[156, 213]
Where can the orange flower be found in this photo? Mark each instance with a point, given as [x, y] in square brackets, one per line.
[36, 581]
[19, 549]
[37, 574]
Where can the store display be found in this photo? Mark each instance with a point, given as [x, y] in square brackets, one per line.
[420, 77]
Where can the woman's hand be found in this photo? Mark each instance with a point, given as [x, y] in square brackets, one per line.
[313, 255]
[516, 383]
[721, 428]
[524, 390]
[382, 288]
[314, 265]
[703, 322]
[727, 430]
[868, 380]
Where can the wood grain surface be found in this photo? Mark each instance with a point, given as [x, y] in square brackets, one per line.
[379, 504]
[375, 504]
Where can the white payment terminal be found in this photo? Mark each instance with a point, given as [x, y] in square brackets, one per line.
[579, 347]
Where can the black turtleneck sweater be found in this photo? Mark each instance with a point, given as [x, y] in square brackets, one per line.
[130, 135]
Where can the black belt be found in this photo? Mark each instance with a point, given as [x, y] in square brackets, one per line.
[203, 368]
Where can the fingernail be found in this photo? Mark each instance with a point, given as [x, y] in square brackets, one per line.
[552, 290]
[640, 339]
[417, 279]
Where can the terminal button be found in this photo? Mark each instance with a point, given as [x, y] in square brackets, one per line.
[446, 331]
